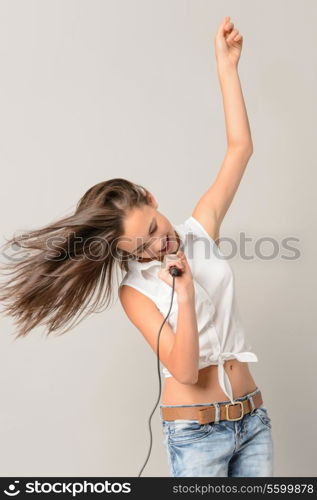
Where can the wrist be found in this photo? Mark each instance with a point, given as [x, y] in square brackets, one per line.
[186, 295]
[224, 66]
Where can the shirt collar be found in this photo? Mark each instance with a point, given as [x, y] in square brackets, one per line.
[140, 266]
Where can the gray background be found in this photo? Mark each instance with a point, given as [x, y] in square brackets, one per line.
[101, 89]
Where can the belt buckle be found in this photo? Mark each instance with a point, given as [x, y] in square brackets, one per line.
[232, 404]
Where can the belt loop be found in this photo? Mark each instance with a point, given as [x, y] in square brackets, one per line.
[250, 398]
[217, 412]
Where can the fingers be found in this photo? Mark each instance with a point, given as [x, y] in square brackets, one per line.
[225, 26]
[172, 260]
[180, 261]
[226, 22]
[182, 258]
[228, 26]
[232, 35]
[227, 30]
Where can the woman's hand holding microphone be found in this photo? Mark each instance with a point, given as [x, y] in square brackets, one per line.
[184, 285]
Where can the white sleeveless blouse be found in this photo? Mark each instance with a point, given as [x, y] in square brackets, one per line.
[221, 334]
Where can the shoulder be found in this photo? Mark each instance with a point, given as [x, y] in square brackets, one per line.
[134, 287]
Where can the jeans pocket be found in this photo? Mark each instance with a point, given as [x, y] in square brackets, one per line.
[262, 413]
[185, 431]
[165, 426]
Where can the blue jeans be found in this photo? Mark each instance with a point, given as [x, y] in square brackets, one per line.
[241, 448]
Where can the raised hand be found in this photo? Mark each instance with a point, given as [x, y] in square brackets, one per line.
[228, 43]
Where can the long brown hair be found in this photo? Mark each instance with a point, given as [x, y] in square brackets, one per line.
[60, 273]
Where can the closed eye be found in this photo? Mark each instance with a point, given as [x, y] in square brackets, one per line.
[150, 233]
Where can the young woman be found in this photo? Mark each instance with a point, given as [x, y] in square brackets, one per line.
[213, 417]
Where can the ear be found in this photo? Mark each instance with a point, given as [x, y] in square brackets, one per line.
[152, 199]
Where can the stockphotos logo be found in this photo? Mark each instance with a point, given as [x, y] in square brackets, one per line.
[12, 490]
[72, 488]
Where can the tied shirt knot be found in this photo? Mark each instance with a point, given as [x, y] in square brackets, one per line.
[223, 378]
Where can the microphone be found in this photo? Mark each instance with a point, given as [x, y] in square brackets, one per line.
[175, 271]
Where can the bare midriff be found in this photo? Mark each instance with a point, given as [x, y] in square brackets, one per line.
[207, 388]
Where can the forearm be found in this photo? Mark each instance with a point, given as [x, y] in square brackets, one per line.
[184, 356]
[236, 118]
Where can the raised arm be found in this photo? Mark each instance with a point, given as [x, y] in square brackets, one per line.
[213, 205]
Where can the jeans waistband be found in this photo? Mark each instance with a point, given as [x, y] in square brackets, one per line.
[219, 402]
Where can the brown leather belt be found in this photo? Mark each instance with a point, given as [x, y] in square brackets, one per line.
[206, 414]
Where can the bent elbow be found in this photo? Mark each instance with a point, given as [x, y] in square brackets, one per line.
[194, 381]
[189, 380]
[245, 150]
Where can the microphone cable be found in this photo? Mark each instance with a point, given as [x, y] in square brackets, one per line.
[174, 271]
